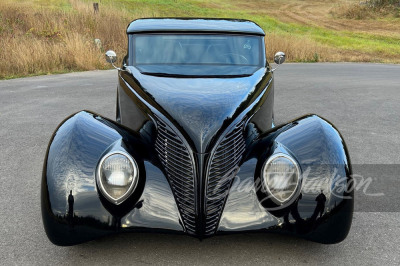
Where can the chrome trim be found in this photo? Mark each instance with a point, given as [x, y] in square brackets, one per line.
[131, 188]
[176, 172]
[213, 217]
[297, 189]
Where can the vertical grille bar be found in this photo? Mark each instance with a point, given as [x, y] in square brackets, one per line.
[222, 167]
[181, 172]
[178, 164]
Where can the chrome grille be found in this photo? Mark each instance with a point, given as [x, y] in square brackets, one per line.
[178, 164]
[223, 163]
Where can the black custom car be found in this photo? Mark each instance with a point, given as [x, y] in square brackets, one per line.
[194, 148]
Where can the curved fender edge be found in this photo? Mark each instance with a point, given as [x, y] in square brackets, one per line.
[323, 210]
[72, 209]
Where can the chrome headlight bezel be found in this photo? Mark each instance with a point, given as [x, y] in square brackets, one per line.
[296, 190]
[132, 186]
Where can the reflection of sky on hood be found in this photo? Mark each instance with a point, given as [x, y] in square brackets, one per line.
[199, 105]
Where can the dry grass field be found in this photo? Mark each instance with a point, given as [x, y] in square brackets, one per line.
[55, 36]
[49, 38]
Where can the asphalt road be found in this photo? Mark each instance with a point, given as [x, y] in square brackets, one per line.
[362, 100]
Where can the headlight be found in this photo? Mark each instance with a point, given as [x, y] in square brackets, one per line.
[117, 176]
[281, 177]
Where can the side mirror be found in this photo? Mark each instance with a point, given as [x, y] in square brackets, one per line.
[111, 57]
[279, 58]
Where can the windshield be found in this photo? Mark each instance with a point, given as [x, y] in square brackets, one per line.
[197, 54]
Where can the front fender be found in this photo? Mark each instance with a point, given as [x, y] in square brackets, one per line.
[322, 155]
[73, 210]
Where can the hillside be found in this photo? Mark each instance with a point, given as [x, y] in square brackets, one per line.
[55, 36]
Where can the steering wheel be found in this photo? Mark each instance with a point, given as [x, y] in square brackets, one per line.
[242, 59]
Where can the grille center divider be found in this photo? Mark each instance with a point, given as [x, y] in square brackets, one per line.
[200, 196]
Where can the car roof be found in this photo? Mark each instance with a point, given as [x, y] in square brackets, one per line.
[194, 25]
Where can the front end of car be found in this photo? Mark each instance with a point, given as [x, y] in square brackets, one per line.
[197, 156]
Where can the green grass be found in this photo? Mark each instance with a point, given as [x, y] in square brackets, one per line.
[169, 8]
[53, 4]
[346, 40]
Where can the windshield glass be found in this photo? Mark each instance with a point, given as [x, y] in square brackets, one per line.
[197, 54]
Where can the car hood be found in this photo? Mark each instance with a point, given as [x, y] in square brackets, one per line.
[202, 107]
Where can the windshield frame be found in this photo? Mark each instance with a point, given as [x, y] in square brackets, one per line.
[131, 40]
